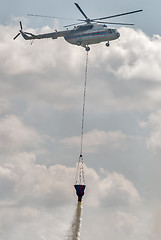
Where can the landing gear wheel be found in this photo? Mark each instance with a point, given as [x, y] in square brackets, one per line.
[107, 44]
[78, 43]
[87, 49]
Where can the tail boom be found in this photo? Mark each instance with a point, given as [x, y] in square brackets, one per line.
[30, 36]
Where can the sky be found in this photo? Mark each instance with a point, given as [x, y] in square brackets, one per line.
[41, 92]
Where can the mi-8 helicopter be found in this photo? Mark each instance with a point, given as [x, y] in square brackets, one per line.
[92, 32]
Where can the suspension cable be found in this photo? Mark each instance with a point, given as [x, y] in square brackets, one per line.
[80, 178]
[84, 103]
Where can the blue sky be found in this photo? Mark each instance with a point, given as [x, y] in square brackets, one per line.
[41, 91]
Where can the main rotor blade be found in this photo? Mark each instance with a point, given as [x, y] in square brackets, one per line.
[75, 24]
[117, 15]
[129, 24]
[16, 36]
[79, 8]
[44, 16]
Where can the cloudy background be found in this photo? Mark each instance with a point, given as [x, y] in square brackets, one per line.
[41, 91]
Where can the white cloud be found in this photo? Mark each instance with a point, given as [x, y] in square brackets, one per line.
[14, 135]
[41, 91]
[110, 190]
[39, 193]
[128, 74]
[153, 125]
[121, 74]
[97, 139]
[139, 53]
[117, 225]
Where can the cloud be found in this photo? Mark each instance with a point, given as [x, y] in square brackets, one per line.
[29, 190]
[138, 53]
[117, 225]
[97, 139]
[121, 75]
[156, 221]
[53, 185]
[41, 90]
[38, 191]
[127, 75]
[153, 125]
[7, 181]
[110, 190]
[15, 136]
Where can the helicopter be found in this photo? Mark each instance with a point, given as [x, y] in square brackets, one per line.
[85, 33]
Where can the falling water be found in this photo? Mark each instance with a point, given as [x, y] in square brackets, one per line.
[74, 233]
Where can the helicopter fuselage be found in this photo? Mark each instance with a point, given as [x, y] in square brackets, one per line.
[82, 35]
[91, 34]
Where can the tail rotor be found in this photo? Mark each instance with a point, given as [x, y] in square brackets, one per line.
[20, 31]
